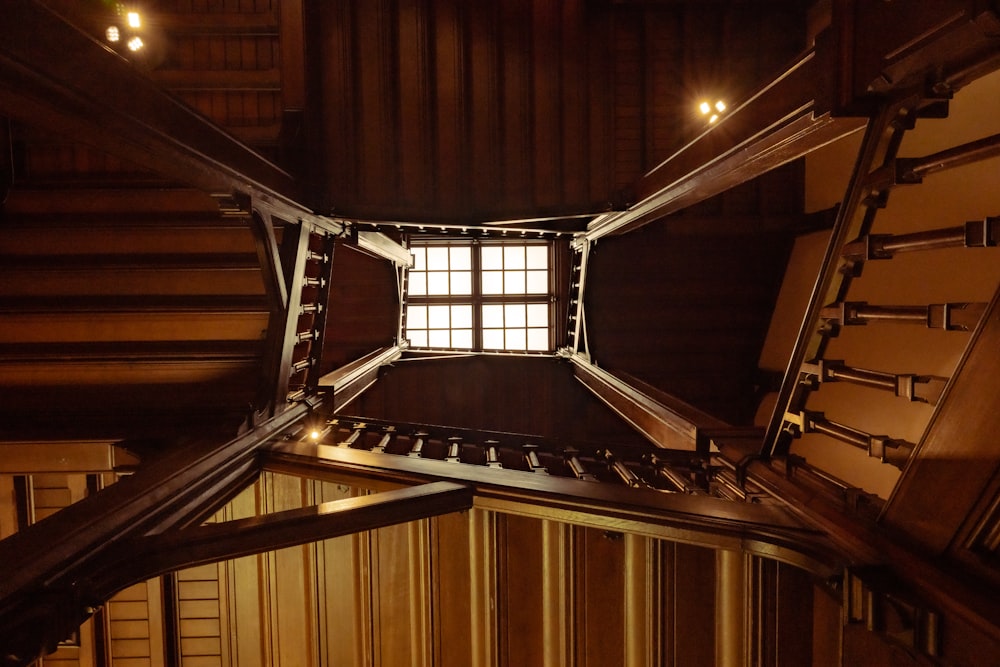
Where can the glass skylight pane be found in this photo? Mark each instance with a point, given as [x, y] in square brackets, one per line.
[461, 338]
[538, 339]
[513, 257]
[492, 282]
[461, 317]
[418, 283]
[416, 317]
[461, 258]
[437, 259]
[514, 315]
[437, 317]
[461, 282]
[538, 315]
[538, 257]
[515, 339]
[538, 282]
[437, 282]
[492, 339]
[417, 338]
[492, 258]
[440, 338]
[513, 282]
[419, 259]
[493, 316]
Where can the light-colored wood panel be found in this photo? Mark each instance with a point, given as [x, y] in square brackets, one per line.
[132, 593]
[36, 457]
[200, 627]
[133, 662]
[192, 646]
[343, 568]
[199, 608]
[51, 498]
[198, 590]
[200, 573]
[130, 648]
[8, 509]
[130, 629]
[202, 661]
[128, 610]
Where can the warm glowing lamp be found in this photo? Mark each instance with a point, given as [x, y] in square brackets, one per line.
[112, 34]
[133, 20]
[135, 44]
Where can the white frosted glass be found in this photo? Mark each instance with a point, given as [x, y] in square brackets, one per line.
[493, 339]
[537, 257]
[461, 258]
[538, 282]
[418, 284]
[513, 282]
[461, 317]
[416, 317]
[513, 257]
[437, 317]
[439, 338]
[437, 282]
[437, 259]
[418, 338]
[492, 258]
[538, 315]
[461, 339]
[461, 282]
[516, 339]
[538, 339]
[492, 282]
[493, 316]
[514, 315]
[419, 259]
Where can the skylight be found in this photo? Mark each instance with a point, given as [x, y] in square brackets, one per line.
[485, 296]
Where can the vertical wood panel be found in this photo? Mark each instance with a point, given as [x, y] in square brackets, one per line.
[415, 101]
[547, 104]
[449, 73]
[600, 582]
[344, 584]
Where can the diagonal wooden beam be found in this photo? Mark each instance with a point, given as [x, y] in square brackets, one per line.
[151, 556]
[782, 121]
[349, 381]
[665, 421]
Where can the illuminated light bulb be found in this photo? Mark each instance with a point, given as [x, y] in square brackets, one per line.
[133, 20]
[314, 435]
[704, 107]
[714, 118]
[112, 33]
[720, 106]
[135, 44]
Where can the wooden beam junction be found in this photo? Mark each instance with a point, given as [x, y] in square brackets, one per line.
[349, 381]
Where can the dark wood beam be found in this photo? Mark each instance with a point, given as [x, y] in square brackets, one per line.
[782, 121]
[210, 543]
[701, 519]
[349, 381]
[664, 420]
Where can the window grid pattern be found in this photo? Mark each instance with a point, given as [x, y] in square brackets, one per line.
[491, 297]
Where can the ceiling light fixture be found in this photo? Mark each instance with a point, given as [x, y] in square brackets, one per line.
[112, 33]
[133, 20]
[135, 44]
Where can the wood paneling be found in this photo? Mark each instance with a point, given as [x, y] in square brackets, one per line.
[537, 395]
[451, 110]
[686, 312]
